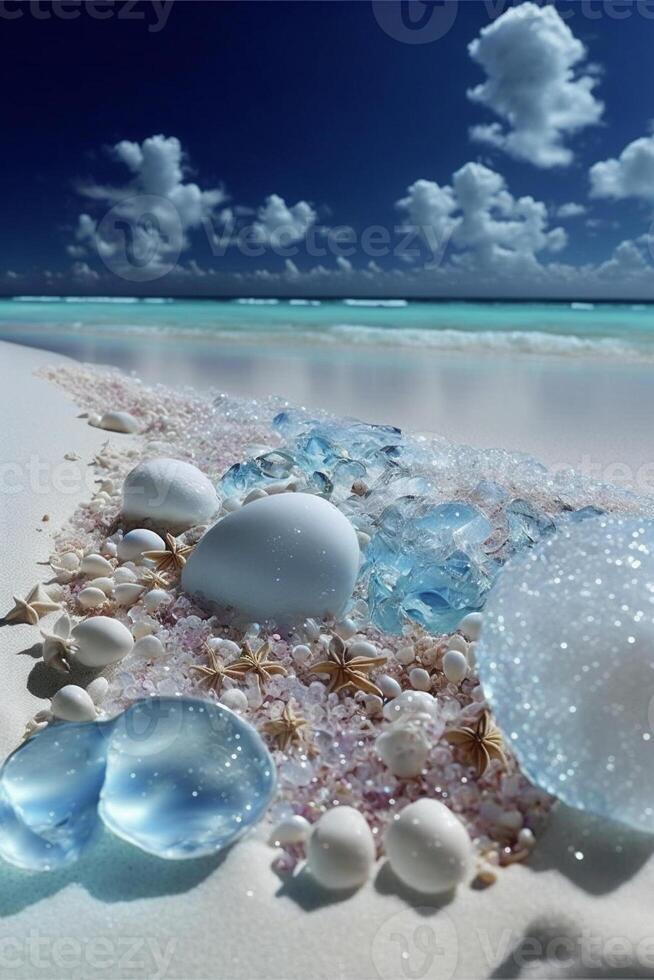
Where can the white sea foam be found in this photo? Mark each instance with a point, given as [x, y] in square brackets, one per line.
[256, 301]
[392, 303]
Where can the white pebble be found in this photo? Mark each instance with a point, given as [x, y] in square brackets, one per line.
[526, 838]
[471, 625]
[362, 648]
[301, 653]
[72, 703]
[291, 830]
[100, 641]
[255, 494]
[346, 628]
[117, 422]
[135, 542]
[124, 576]
[148, 646]
[341, 849]
[403, 749]
[169, 492]
[234, 699]
[411, 703]
[105, 584]
[97, 690]
[419, 679]
[109, 549]
[455, 666]
[373, 705]
[127, 593]
[156, 598]
[231, 504]
[405, 655]
[388, 686]
[228, 648]
[91, 598]
[428, 848]
[457, 642]
[95, 565]
[69, 561]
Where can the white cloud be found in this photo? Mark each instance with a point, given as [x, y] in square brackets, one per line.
[630, 175]
[530, 55]
[279, 224]
[570, 210]
[484, 225]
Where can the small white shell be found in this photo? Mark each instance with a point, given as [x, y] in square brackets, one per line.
[341, 849]
[373, 705]
[148, 646]
[118, 422]
[100, 641]
[124, 575]
[455, 666]
[301, 653]
[135, 542]
[404, 749]
[471, 625]
[362, 648]
[234, 699]
[457, 642]
[411, 703]
[72, 703]
[95, 565]
[345, 628]
[291, 830]
[142, 628]
[91, 598]
[227, 648]
[405, 655]
[127, 593]
[420, 679]
[97, 690]
[105, 584]
[155, 598]
[69, 560]
[388, 686]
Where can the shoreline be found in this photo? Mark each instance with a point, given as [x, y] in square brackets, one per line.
[555, 896]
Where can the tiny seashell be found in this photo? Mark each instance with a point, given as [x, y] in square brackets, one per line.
[155, 598]
[420, 679]
[101, 641]
[389, 687]
[95, 565]
[135, 542]
[346, 628]
[455, 666]
[127, 593]
[97, 689]
[404, 750]
[91, 598]
[118, 422]
[362, 648]
[110, 549]
[373, 705]
[105, 585]
[148, 646]
[124, 575]
[72, 703]
[69, 560]
[457, 642]
[301, 653]
[227, 648]
[234, 699]
[471, 625]
[295, 829]
[411, 703]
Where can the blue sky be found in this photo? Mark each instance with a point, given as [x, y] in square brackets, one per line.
[473, 148]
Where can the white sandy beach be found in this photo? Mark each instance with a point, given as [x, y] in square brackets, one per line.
[584, 896]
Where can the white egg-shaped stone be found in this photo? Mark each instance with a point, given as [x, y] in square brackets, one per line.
[104, 583]
[156, 598]
[97, 690]
[389, 687]
[90, 598]
[420, 679]
[69, 560]
[170, 494]
[125, 575]
[341, 849]
[135, 542]
[118, 422]
[428, 848]
[285, 558]
[361, 648]
[457, 642]
[404, 749]
[234, 699]
[72, 703]
[455, 666]
[127, 593]
[411, 703]
[94, 566]
[471, 625]
[100, 641]
[295, 829]
[148, 646]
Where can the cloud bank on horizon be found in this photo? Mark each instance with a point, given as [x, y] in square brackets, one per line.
[468, 231]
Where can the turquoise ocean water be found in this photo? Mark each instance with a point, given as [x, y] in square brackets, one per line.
[616, 331]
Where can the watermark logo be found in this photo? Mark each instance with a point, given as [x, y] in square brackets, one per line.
[140, 238]
[416, 943]
[153, 13]
[415, 21]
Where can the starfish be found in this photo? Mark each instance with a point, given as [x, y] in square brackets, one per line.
[214, 674]
[30, 609]
[285, 730]
[480, 744]
[153, 579]
[347, 671]
[171, 559]
[257, 662]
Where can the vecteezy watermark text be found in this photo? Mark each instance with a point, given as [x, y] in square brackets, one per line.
[153, 13]
[108, 956]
